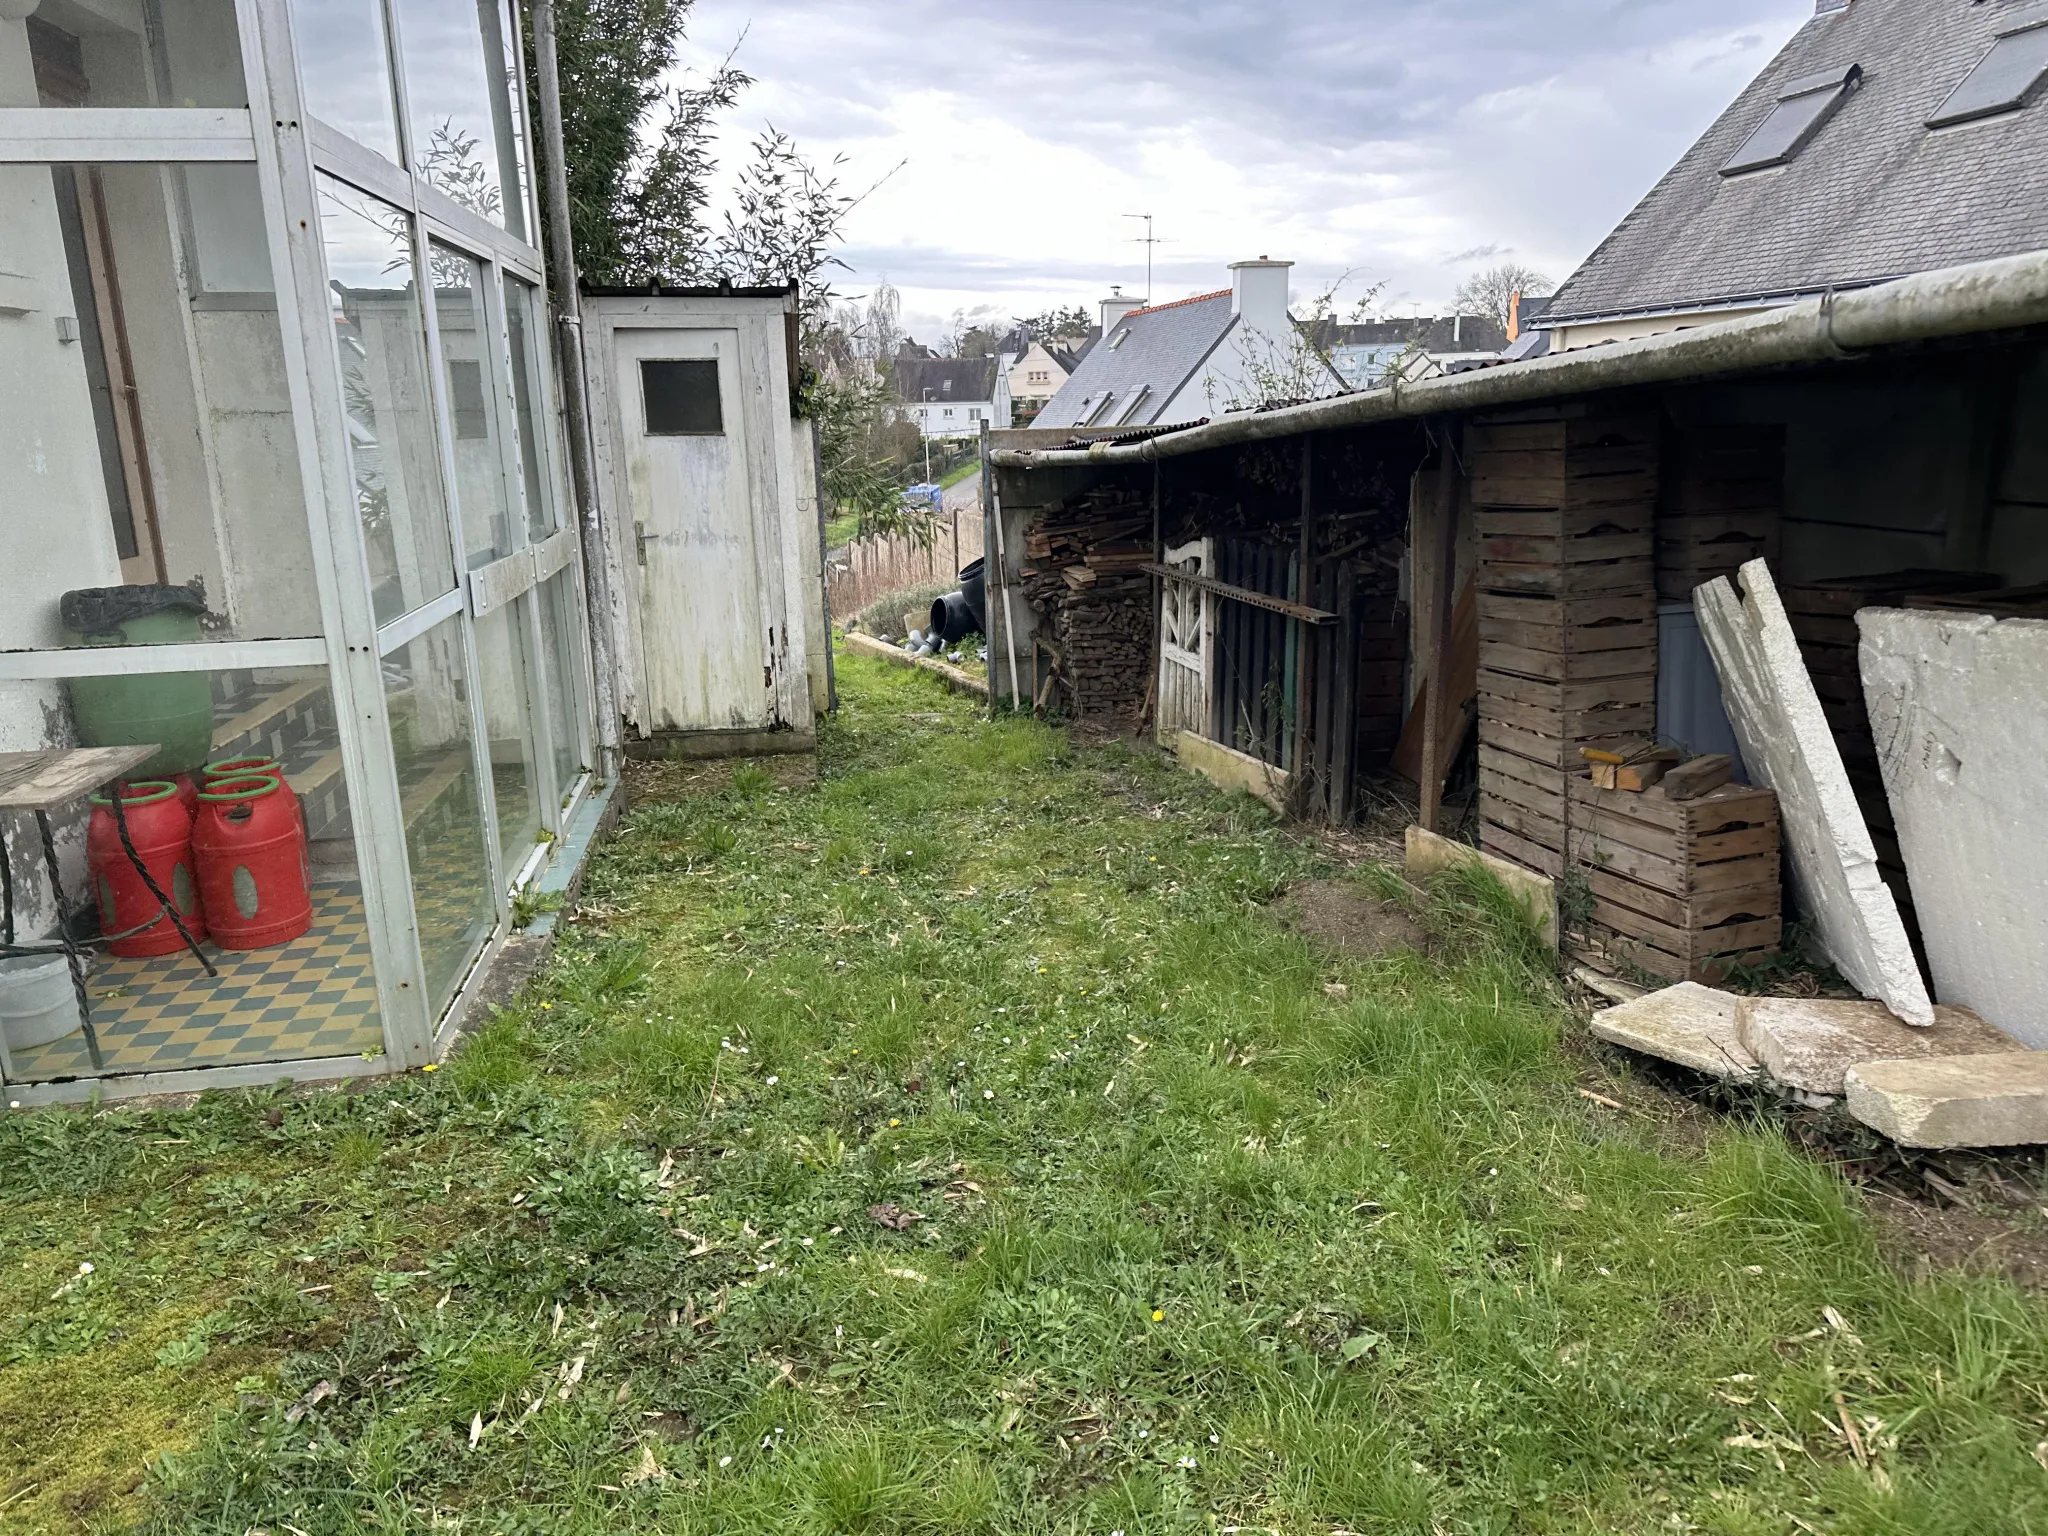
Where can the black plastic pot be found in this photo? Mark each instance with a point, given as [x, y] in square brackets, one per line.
[959, 614]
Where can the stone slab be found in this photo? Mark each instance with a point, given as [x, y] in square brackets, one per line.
[1809, 1043]
[1689, 1024]
[1430, 854]
[1958, 715]
[1788, 746]
[1959, 1101]
[1228, 768]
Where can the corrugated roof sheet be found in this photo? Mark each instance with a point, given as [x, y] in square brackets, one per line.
[1876, 194]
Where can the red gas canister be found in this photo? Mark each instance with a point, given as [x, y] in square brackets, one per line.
[162, 834]
[251, 855]
[256, 763]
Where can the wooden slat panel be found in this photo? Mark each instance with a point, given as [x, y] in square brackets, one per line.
[1520, 850]
[1495, 788]
[1613, 577]
[1543, 746]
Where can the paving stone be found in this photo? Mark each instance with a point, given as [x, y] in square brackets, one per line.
[1788, 745]
[1957, 1101]
[1962, 769]
[1810, 1043]
[1689, 1024]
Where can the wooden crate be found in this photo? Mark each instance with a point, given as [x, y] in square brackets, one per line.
[1574, 628]
[1564, 462]
[1720, 505]
[1683, 889]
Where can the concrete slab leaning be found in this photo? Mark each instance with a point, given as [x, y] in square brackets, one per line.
[1959, 1101]
[1811, 1043]
[1788, 746]
[1689, 1024]
[1955, 709]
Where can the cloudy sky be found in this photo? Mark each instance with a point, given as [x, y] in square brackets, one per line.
[1408, 142]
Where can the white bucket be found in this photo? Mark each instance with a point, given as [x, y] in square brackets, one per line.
[37, 1004]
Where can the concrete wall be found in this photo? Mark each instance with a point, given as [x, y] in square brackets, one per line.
[1573, 338]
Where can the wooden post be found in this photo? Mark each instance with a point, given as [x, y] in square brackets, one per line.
[1436, 571]
[1158, 590]
[1344, 699]
[1305, 641]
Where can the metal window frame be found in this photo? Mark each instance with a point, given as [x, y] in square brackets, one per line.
[290, 150]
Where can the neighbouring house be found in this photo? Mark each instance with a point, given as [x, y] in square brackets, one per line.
[1035, 376]
[1371, 352]
[951, 396]
[1190, 358]
[1887, 137]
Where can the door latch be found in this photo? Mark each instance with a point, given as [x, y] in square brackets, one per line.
[640, 538]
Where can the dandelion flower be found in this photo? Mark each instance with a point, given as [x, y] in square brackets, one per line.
[432, 1066]
[894, 1123]
[1158, 1316]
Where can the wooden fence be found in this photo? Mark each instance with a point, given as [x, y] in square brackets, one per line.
[860, 572]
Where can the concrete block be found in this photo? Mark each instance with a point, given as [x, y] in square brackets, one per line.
[1810, 1043]
[1228, 768]
[1429, 854]
[1689, 1024]
[1959, 1101]
[1956, 709]
[1788, 746]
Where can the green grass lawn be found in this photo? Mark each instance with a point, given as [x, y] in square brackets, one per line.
[1184, 1224]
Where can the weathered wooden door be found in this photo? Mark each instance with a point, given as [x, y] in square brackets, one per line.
[697, 553]
[1187, 626]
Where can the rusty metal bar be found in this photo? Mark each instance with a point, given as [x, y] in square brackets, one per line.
[1245, 595]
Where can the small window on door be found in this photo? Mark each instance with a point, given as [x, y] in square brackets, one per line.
[681, 397]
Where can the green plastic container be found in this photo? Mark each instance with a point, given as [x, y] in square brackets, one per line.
[172, 709]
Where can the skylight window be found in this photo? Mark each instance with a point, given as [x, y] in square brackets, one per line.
[1804, 107]
[1101, 407]
[2006, 77]
[1119, 338]
[1144, 393]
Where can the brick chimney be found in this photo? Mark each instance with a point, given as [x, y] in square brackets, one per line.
[1114, 308]
[1258, 296]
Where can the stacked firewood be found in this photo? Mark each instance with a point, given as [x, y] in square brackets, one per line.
[1084, 574]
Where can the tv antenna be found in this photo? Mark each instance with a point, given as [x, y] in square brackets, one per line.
[1148, 241]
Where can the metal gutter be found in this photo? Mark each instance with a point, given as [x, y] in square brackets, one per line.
[1955, 301]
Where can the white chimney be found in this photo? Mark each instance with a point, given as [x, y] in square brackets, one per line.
[1115, 307]
[1258, 294]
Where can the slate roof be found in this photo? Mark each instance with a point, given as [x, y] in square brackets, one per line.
[1875, 195]
[1167, 344]
[921, 378]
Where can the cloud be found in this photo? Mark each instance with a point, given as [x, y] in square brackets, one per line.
[1409, 143]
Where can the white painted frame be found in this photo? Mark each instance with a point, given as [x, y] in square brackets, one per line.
[289, 149]
[762, 384]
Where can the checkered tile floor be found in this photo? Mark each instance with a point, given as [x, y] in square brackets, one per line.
[315, 996]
